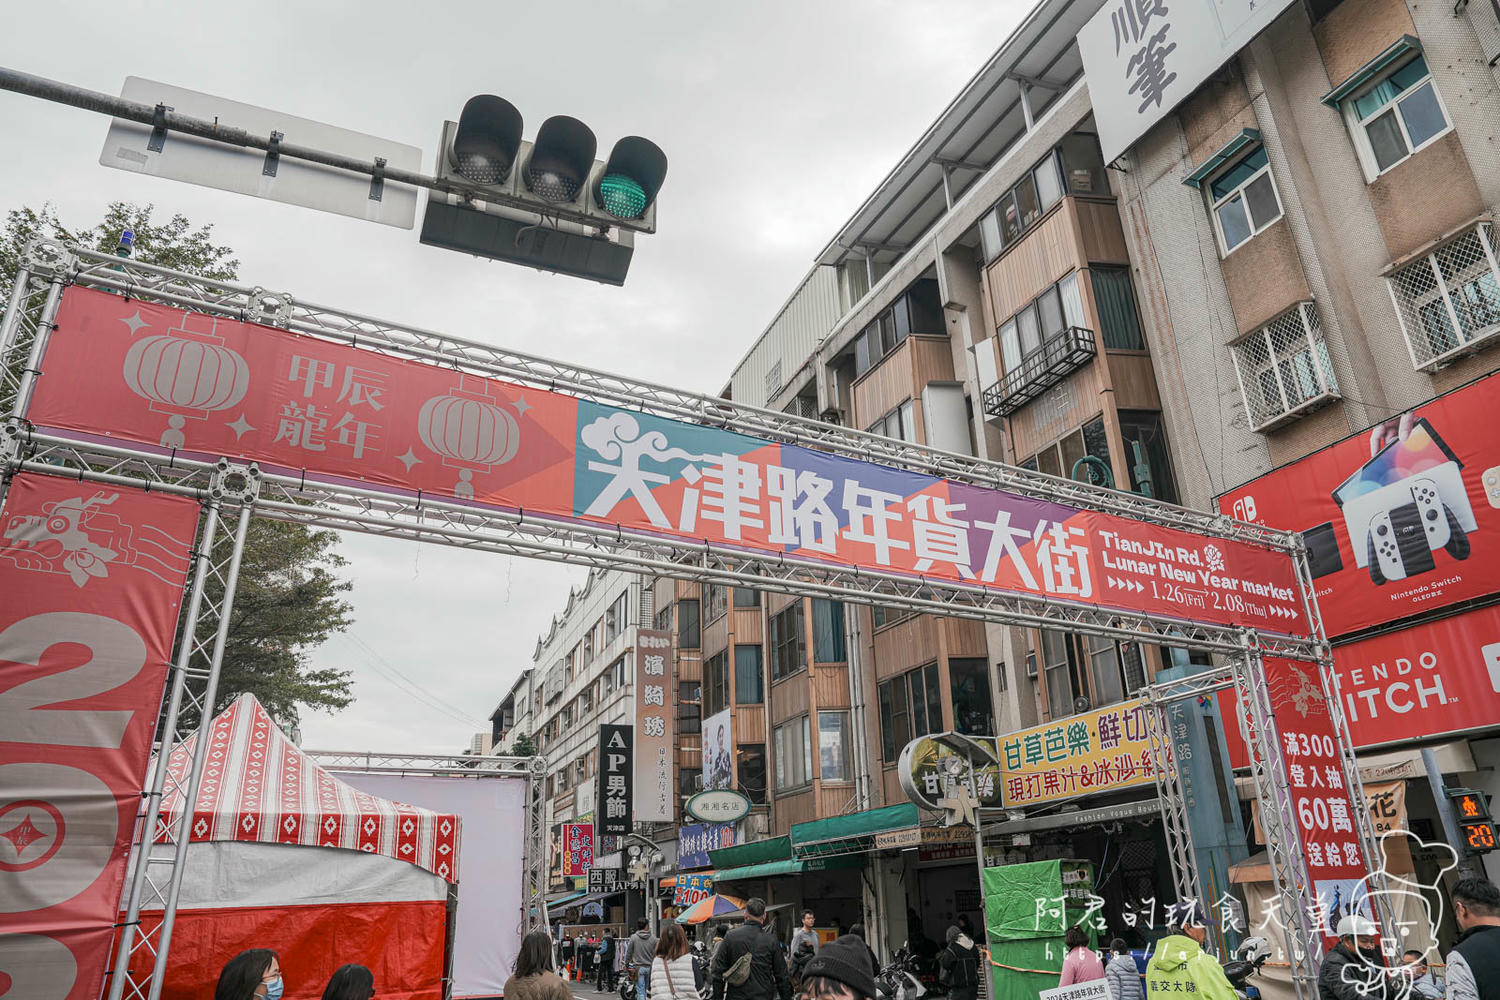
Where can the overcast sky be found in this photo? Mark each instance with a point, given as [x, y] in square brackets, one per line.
[778, 119]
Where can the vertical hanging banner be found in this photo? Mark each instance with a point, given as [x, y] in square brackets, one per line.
[578, 849]
[655, 794]
[200, 386]
[1331, 849]
[92, 579]
[616, 774]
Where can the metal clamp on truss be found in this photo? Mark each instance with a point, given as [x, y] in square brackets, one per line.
[48, 259]
[235, 483]
[12, 444]
[268, 308]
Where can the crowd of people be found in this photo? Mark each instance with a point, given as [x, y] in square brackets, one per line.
[256, 975]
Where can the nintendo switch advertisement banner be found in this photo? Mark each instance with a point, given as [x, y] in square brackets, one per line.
[1399, 519]
[191, 384]
[92, 579]
[1417, 683]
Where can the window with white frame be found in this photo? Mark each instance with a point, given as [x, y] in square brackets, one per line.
[1244, 200]
[1283, 367]
[898, 424]
[792, 745]
[1448, 300]
[1396, 116]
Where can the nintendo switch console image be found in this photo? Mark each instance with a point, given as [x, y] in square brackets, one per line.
[1406, 504]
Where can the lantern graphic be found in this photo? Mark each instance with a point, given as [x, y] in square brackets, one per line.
[186, 373]
[469, 430]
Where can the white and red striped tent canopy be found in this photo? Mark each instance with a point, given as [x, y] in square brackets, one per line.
[259, 788]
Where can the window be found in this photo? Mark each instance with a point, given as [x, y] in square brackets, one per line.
[1395, 117]
[918, 310]
[1082, 455]
[924, 695]
[750, 770]
[828, 631]
[588, 646]
[792, 748]
[618, 617]
[1449, 300]
[619, 672]
[749, 675]
[833, 746]
[897, 424]
[688, 632]
[1061, 671]
[664, 619]
[744, 597]
[689, 781]
[1083, 165]
[1244, 200]
[1119, 322]
[1052, 312]
[788, 642]
[1283, 367]
[1116, 669]
[970, 682]
[716, 683]
[689, 708]
[889, 616]
[895, 719]
[1146, 455]
[718, 601]
[1021, 207]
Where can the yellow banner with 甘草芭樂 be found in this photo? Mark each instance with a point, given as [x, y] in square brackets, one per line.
[1104, 750]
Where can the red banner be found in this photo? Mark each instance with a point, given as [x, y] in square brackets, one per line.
[578, 849]
[93, 578]
[1324, 810]
[1422, 682]
[192, 384]
[1400, 519]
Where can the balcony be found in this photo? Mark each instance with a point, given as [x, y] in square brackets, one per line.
[1060, 355]
[1284, 369]
[1448, 299]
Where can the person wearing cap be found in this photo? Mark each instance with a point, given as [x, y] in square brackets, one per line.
[1353, 969]
[958, 966]
[1179, 963]
[840, 970]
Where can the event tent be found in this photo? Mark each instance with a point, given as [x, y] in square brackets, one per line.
[283, 855]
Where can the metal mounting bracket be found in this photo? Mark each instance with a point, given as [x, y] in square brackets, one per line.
[273, 154]
[48, 259]
[158, 129]
[234, 482]
[268, 308]
[377, 179]
[12, 445]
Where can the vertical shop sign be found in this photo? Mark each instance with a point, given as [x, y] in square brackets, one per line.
[578, 849]
[1335, 860]
[616, 775]
[92, 580]
[655, 795]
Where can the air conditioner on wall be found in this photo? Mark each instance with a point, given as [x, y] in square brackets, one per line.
[1031, 664]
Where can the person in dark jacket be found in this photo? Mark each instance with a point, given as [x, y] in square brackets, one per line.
[858, 930]
[840, 971]
[1353, 969]
[1474, 963]
[958, 966]
[640, 950]
[768, 978]
[604, 962]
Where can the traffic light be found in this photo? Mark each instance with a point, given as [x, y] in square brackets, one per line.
[546, 203]
[1475, 827]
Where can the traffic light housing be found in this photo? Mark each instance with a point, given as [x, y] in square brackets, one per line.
[1475, 827]
[547, 203]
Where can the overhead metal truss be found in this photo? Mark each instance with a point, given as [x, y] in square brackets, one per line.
[238, 491]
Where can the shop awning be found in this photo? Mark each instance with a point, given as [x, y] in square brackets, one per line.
[851, 834]
[564, 898]
[754, 853]
[766, 869]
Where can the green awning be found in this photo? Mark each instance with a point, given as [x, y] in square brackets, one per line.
[1404, 46]
[562, 899]
[754, 853]
[854, 833]
[791, 866]
[1225, 155]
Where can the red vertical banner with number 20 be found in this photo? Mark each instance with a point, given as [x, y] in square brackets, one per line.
[91, 583]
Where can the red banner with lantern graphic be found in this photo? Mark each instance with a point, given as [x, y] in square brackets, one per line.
[92, 579]
[202, 386]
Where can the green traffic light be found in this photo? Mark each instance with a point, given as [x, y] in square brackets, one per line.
[622, 196]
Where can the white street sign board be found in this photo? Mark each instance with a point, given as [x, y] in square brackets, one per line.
[243, 170]
[1144, 57]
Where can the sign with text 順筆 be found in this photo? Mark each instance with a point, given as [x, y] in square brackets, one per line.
[1100, 751]
[695, 840]
[200, 386]
[655, 793]
[578, 849]
[1144, 57]
[616, 776]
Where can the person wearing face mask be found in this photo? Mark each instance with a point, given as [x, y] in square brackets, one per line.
[1353, 969]
[251, 975]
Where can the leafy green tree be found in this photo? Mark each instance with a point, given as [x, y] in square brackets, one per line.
[290, 596]
[524, 746]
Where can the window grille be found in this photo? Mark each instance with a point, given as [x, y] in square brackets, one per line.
[1448, 300]
[1283, 368]
[773, 381]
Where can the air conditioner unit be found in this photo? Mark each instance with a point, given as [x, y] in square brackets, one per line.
[1031, 664]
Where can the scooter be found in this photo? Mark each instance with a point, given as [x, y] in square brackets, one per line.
[898, 980]
[1248, 958]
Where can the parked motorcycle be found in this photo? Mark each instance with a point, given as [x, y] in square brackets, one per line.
[898, 980]
[1248, 958]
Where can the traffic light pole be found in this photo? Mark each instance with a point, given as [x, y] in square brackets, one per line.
[1445, 810]
[163, 120]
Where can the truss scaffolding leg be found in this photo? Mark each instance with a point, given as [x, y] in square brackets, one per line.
[534, 906]
[156, 878]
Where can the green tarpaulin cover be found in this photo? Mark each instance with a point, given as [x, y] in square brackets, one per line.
[1026, 913]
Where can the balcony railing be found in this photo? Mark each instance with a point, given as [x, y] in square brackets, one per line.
[1060, 355]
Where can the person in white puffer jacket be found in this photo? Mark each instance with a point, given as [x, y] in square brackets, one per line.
[672, 975]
